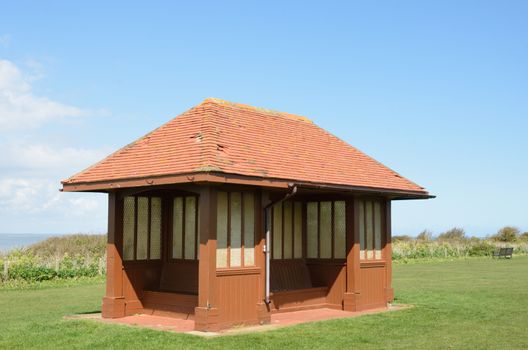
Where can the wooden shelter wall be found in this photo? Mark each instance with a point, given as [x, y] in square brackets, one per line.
[138, 277]
[331, 275]
[236, 294]
[180, 276]
[373, 284]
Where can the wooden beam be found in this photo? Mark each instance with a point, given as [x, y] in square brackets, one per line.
[226, 178]
[114, 301]
[353, 293]
[387, 254]
[207, 313]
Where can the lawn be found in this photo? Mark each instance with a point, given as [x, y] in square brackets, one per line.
[465, 304]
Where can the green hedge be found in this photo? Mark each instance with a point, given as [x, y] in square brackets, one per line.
[26, 266]
[402, 250]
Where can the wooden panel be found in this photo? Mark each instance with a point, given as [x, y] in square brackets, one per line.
[139, 276]
[372, 282]
[332, 276]
[180, 276]
[289, 275]
[238, 298]
[169, 304]
[298, 299]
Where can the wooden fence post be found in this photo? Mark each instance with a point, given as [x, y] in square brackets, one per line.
[6, 269]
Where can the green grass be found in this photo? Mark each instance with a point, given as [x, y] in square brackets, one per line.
[463, 304]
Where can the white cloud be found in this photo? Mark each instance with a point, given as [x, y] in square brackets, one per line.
[30, 182]
[36, 205]
[20, 108]
[33, 195]
[40, 157]
[32, 167]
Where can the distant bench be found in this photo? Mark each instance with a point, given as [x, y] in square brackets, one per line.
[503, 253]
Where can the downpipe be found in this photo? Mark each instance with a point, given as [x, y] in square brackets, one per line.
[267, 246]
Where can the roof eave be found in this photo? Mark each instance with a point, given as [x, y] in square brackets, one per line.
[221, 177]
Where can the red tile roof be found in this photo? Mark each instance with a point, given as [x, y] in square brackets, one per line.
[223, 137]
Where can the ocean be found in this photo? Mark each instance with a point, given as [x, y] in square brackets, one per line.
[9, 241]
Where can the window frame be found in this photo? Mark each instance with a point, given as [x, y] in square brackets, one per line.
[170, 227]
[149, 227]
[332, 201]
[256, 209]
[363, 253]
[303, 243]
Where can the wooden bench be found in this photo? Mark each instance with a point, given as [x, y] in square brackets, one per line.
[177, 293]
[289, 275]
[503, 253]
[292, 288]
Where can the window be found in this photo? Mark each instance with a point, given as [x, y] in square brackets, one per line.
[185, 228]
[235, 229]
[141, 228]
[370, 219]
[326, 230]
[286, 230]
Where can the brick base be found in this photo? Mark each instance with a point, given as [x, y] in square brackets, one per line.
[113, 307]
[206, 319]
[389, 295]
[351, 301]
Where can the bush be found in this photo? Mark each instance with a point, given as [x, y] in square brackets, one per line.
[402, 238]
[451, 249]
[73, 245]
[507, 234]
[425, 236]
[57, 258]
[454, 234]
[482, 248]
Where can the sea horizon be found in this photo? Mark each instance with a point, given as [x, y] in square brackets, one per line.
[10, 241]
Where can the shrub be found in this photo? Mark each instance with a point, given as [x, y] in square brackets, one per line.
[482, 248]
[451, 249]
[454, 234]
[425, 236]
[77, 244]
[402, 238]
[507, 234]
[57, 258]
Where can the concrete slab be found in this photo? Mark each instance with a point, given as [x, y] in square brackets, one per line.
[279, 320]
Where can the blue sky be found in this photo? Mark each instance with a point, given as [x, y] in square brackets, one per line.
[437, 91]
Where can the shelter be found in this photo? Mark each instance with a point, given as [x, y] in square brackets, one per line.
[229, 213]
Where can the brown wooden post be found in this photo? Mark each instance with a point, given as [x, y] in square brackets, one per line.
[114, 301]
[206, 313]
[389, 291]
[352, 295]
